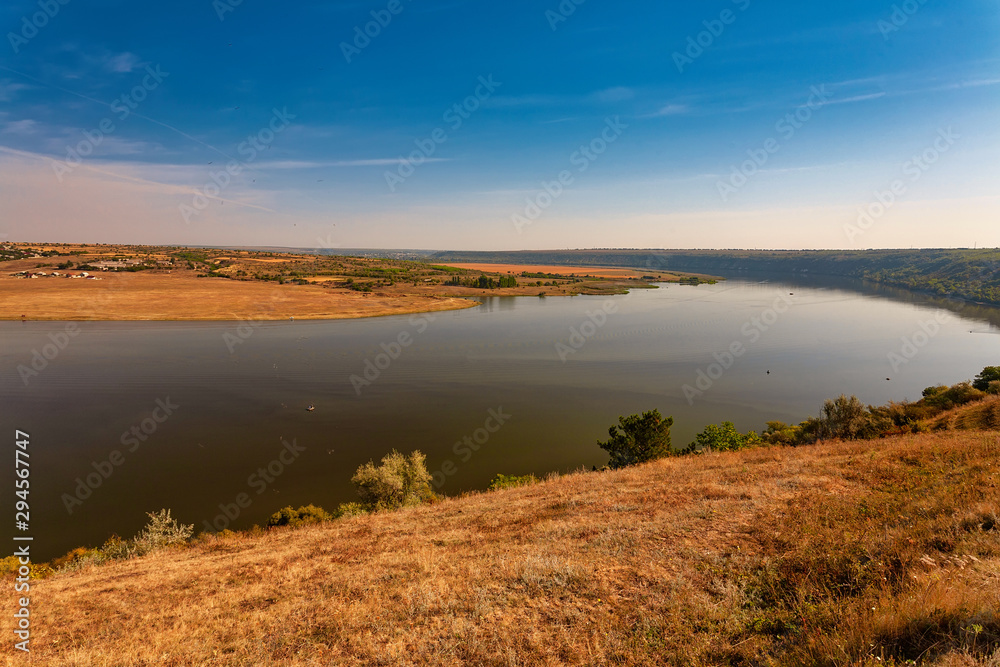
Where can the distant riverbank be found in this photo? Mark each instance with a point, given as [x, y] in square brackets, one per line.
[137, 283]
[960, 273]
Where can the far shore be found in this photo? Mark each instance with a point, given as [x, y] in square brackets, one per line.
[49, 282]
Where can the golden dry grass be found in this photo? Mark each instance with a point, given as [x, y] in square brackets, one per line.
[182, 296]
[857, 553]
[980, 415]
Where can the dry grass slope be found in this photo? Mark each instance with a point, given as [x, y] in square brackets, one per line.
[982, 415]
[845, 553]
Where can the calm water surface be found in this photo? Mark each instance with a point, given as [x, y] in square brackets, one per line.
[236, 408]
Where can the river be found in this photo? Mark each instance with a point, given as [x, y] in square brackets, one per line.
[131, 417]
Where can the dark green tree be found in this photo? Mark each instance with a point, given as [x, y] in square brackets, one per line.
[988, 375]
[638, 438]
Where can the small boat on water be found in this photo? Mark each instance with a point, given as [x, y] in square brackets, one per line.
[310, 408]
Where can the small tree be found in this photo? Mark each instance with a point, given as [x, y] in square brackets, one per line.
[845, 417]
[988, 375]
[161, 531]
[638, 438]
[398, 482]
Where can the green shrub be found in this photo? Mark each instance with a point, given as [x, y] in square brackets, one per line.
[399, 481]
[897, 418]
[946, 398]
[810, 430]
[298, 517]
[847, 418]
[638, 438]
[77, 558]
[10, 566]
[502, 481]
[931, 392]
[115, 548]
[780, 433]
[347, 510]
[723, 438]
[162, 531]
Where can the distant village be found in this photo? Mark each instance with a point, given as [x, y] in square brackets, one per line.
[85, 271]
[107, 265]
[54, 274]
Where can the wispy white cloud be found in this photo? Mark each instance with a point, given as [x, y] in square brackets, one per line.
[668, 110]
[122, 62]
[107, 172]
[319, 164]
[9, 89]
[856, 98]
[610, 95]
[24, 126]
[523, 101]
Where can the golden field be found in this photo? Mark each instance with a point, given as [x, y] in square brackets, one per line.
[843, 553]
[161, 296]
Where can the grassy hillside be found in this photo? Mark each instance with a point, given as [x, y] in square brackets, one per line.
[962, 273]
[844, 553]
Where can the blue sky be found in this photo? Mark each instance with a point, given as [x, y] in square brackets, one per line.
[684, 144]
